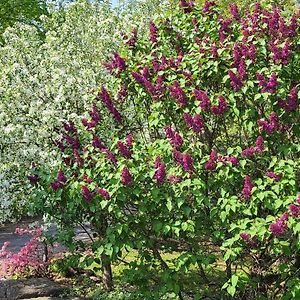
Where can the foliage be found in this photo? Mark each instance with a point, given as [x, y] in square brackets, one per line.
[23, 11]
[193, 146]
[45, 81]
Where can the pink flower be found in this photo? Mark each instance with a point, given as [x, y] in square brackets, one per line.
[129, 140]
[109, 155]
[97, 143]
[153, 32]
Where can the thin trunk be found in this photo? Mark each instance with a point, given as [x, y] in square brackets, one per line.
[107, 278]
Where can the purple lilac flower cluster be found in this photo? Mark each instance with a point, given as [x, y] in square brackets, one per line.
[292, 102]
[131, 42]
[123, 149]
[60, 181]
[273, 175]
[246, 237]
[279, 226]
[203, 98]
[117, 63]
[211, 164]
[187, 6]
[221, 108]
[267, 86]
[156, 91]
[87, 194]
[270, 125]
[126, 178]
[174, 137]
[153, 32]
[103, 193]
[109, 155]
[95, 118]
[195, 123]
[160, 172]
[247, 189]
[178, 94]
[207, 6]
[97, 143]
[257, 149]
[104, 96]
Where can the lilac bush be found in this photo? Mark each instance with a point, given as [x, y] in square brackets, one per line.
[196, 152]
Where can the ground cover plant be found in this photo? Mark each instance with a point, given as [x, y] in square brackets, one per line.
[192, 148]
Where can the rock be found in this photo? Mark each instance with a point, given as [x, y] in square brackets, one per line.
[30, 288]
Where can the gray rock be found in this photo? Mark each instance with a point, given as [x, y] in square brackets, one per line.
[30, 288]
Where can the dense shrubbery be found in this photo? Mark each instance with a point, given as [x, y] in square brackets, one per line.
[193, 149]
[44, 81]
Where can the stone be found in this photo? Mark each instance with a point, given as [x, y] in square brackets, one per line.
[30, 288]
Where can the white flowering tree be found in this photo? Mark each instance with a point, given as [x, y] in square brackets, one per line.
[42, 81]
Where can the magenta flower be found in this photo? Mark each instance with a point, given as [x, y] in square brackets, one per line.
[221, 108]
[174, 137]
[97, 143]
[234, 11]
[259, 144]
[295, 210]
[160, 173]
[70, 127]
[279, 227]
[178, 94]
[292, 102]
[103, 193]
[104, 96]
[61, 177]
[126, 177]
[249, 152]
[235, 82]
[272, 175]
[129, 140]
[33, 179]
[153, 32]
[174, 179]
[118, 63]
[133, 39]
[87, 194]
[56, 185]
[177, 155]
[186, 5]
[245, 236]
[109, 155]
[203, 98]
[187, 162]
[207, 6]
[247, 189]
[124, 150]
